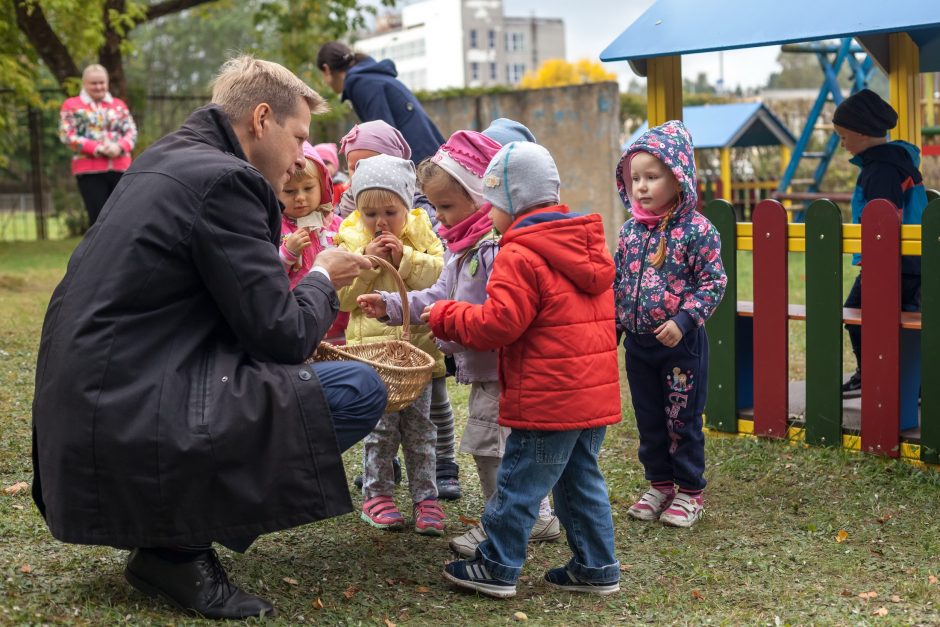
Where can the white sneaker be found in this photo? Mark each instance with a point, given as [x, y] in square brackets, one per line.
[543, 531]
[466, 545]
[684, 511]
[651, 505]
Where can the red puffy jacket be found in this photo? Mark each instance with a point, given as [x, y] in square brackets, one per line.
[550, 312]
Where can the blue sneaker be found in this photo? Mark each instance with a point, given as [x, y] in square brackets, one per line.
[473, 575]
[563, 579]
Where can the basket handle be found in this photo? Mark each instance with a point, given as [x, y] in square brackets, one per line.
[402, 291]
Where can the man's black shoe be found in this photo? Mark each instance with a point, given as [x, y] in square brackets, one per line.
[197, 584]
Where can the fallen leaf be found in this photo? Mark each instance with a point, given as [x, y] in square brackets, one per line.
[520, 616]
[389, 623]
[625, 567]
[698, 595]
[842, 535]
[846, 593]
[289, 581]
[422, 589]
[26, 569]
[473, 522]
[881, 611]
[867, 595]
[318, 604]
[350, 592]
[788, 466]
[390, 582]
[17, 506]
[895, 598]
[932, 580]
[885, 518]
[16, 488]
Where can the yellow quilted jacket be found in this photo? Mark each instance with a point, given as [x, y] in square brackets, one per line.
[421, 264]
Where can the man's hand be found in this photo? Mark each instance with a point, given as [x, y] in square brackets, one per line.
[372, 305]
[343, 266]
[426, 314]
[668, 333]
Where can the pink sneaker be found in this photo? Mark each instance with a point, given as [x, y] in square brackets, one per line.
[429, 518]
[684, 511]
[653, 503]
[381, 513]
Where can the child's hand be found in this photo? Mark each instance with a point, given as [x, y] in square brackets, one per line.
[668, 333]
[377, 247]
[426, 314]
[394, 248]
[372, 305]
[297, 241]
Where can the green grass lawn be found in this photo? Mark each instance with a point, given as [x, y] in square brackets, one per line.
[768, 551]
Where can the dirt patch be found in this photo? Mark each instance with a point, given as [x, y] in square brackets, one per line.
[12, 283]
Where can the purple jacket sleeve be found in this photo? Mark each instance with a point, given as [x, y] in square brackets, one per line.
[418, 299]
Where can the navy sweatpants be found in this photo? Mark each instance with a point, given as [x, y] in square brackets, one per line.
[669, 386]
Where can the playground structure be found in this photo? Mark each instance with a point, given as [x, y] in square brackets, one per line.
[749, 387]
[724, 127]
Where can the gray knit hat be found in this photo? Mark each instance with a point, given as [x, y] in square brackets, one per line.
[385, 172]
[520, 176]
[504, 130]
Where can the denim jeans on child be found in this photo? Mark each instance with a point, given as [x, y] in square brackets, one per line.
[668, 387]
[565, 462]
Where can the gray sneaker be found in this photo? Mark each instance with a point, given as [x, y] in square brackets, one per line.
[543, 531]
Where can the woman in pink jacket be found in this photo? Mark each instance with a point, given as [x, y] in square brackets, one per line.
[100, 130]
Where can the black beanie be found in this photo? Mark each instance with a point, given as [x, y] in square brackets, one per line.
[866, 113]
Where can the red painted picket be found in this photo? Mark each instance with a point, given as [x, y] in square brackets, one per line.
[771, 360]
[881, 315]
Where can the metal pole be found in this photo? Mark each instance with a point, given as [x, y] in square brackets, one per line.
[35, 158]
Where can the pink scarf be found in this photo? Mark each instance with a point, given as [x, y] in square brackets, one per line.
[647, 218]
[465, 233]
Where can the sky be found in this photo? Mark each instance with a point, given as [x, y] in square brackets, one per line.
[591, 25]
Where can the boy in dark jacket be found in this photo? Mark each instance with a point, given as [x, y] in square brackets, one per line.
[550, 312]
[889, 170]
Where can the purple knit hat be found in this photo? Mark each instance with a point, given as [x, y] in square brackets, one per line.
[328, 153]
[465, 156]
[377, 135]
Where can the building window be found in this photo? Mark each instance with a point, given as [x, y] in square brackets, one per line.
[473, 38]
[491, 39]
[492, 71]
[474, 71]
[515, 42]
[514, 72]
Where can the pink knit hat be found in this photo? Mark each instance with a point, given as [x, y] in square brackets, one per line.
[465, 156]
[376, 135]
[328, 153]
[326, 187]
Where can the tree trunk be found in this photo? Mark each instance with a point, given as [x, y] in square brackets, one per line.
[109, 55]
[32, 21]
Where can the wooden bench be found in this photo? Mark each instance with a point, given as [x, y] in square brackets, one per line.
[909, 319]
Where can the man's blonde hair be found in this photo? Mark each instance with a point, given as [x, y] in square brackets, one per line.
[244, 82]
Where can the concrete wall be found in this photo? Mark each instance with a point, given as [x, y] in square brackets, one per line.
[580, 126]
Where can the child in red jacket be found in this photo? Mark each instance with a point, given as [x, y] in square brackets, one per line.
[550, 311]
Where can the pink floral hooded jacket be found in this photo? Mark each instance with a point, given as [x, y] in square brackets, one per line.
[691, 281]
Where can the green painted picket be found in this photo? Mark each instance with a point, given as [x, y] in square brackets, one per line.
[930, 334]
[721, 411]
[824, 324]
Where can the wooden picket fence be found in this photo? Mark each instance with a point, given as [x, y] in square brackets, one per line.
[749, 370]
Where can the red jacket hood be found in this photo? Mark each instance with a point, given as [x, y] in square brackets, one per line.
[571, 243]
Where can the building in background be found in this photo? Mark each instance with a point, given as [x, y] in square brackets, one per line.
[437, 44]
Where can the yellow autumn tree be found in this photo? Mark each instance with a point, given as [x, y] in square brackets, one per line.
[558, 72]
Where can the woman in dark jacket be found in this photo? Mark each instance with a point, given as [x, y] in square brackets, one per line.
[172, 408]
[376, 94]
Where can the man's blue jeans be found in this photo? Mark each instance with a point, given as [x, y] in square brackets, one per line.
[356, 397]
[566, 463]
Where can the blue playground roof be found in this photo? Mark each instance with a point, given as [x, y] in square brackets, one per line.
[679, 27]
[733, 125]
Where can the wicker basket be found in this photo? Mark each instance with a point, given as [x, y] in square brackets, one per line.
[404, 368]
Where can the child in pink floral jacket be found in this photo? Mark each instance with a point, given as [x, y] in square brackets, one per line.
[669, 280]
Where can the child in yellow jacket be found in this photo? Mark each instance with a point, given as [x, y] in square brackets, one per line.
[385, 225]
